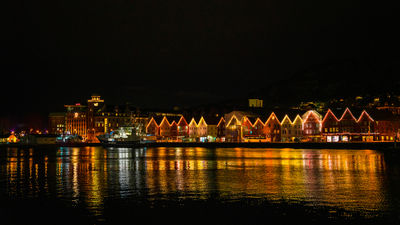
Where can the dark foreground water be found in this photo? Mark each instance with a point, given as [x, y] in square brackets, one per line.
[95, 185]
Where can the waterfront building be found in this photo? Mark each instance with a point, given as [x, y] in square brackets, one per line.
[348, 126]
[233, 132]
[239, 126]
[202, 128]
[165, 128]
[258, 128]
[387, 125]
[291, 131]
[183, 128]
[76, 120]
[312, 126]
[330, 127]
[41, 139]
[193, 129]
[367, 127]
[247, 127]
[212, 126]
[272, 128]
[286, 129]
[152, 128]
[221, 129]
[297, 126]
[96, 118]
[233, 128]
[174, 130]
[56, 123]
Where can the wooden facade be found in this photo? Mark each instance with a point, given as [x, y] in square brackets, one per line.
[272, 129]
[309, 127]
[312, 126]
[183, 127]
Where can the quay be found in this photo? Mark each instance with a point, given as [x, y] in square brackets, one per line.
[392, 146]
[300, 145]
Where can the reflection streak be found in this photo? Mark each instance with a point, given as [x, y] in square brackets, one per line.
[349, 179]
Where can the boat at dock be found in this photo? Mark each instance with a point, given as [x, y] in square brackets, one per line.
[125, 135]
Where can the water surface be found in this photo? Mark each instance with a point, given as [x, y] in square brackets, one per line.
[92, 185]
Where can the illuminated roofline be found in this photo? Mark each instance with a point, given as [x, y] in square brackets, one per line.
[316, 115]
[347, 110]
[286, 117]
[273, 114]
[258, 119]
[220, 120]
[233, 116]
[247, 118]
[365, 112]
[165, 119]
[202, 119]
[180, 120]
[296, 118]
[193, 121]
[326, 116]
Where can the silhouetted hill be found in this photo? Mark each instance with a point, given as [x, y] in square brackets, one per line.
[332, 80]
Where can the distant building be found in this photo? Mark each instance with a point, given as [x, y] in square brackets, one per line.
[56, 123]
[256, 103]
[40, 139]
[387, 125]
[96, 118]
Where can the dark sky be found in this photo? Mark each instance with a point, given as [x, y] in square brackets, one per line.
[169, 52]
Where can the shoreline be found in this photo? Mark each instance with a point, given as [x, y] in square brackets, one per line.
[302, 145]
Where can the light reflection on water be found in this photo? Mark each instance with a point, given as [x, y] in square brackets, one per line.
[349, 179]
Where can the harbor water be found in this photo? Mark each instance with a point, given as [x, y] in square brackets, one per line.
[189, 185]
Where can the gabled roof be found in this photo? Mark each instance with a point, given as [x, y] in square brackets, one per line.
[247, 120]
[239, 115]
[173, 118]
[296, 118]
[182, 121]
[165, 120]
[253, 118]
[233, 117]
[329, 114]
[202, 120]
[258, 121]
[271, 117]
[158, 119]
[221, 121]
[365, 115]
[347, 114]
[152, 120]
[193, 122]
[309, 113]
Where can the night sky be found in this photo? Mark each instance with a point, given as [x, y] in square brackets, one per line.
[165, 53]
